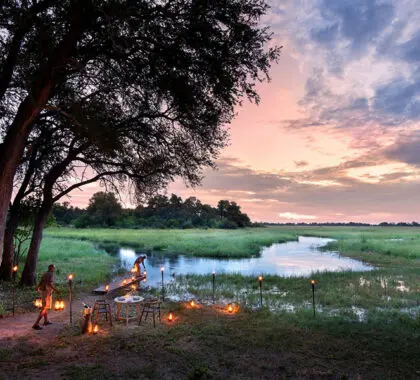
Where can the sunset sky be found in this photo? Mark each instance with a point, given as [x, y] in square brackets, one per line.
[336, 136]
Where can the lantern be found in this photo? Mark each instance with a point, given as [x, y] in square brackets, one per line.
[171, 317]
[95, 329]
[59, 305]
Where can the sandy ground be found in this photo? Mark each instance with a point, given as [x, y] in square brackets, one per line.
[20, 326]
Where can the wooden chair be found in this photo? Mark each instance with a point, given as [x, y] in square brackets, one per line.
[101, 307]
[151, 306]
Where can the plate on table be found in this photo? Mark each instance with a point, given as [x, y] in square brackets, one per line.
[122, 299]
[136, 298]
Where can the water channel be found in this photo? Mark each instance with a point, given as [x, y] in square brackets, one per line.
[295, 258]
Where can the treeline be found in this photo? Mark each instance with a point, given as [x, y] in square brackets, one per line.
[349, 224]
[161, 211]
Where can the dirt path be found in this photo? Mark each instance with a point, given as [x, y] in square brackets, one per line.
[14, 329]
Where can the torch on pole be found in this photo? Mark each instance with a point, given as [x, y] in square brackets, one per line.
[214, 279]
[260, 279]
[14, 272]
[313, 295]
[70, 278]
[163, 284]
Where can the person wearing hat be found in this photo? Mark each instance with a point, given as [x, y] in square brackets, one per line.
[46, 287]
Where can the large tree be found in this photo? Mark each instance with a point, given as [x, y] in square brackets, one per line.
[174, 69]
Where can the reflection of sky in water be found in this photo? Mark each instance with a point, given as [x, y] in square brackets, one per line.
[298, 258]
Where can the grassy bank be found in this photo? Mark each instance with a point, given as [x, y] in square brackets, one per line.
[92, 265]
[384, 246]
[197, 242]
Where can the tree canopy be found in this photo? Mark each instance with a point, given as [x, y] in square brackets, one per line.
[140, 89]
[161, 211]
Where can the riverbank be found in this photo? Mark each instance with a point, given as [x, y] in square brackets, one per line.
[238, 243]
[366, 325]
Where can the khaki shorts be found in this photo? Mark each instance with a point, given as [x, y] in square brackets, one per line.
[46, 297]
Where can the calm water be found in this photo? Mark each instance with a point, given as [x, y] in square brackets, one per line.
[298, 258]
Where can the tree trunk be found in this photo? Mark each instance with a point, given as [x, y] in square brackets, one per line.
[8, 252]
[29, 272]
[11, 153]
[14, 143]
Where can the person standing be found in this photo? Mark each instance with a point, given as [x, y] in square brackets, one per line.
[46, 287]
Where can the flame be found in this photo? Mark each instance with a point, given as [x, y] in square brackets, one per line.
[62, 305]
[230, 309]
[57, 305]
[170, 317]
[107, 288]
[70, 277]
[95, 329]
[38, 302]
[124, 281]
[15, 268]
[192, 303]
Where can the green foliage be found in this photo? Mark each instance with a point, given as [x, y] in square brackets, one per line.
[161, 212]
[103, 209]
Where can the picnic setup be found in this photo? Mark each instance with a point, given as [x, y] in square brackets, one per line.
[128, 301]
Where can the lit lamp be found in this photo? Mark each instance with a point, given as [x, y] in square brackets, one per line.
[70, 278]
[14, 272]
[59, 305]
[214, 280]
[313, 295]
[163, 284]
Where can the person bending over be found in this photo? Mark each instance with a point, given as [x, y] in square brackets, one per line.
[139, 261]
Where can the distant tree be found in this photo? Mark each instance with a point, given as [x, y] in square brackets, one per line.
[222, 207]
[177, 68]
[104, 209]
[234, 214]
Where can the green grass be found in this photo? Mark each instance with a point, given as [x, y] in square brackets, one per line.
[68, 255]
[281, 338]
[371, 244]
[196, 242]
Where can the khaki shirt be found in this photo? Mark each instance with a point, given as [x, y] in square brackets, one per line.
[47, 281]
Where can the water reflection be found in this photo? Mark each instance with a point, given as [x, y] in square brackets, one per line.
[298, 258]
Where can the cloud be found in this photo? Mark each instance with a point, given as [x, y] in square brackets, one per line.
[301, 164]
[294, 216]
[400, 97]
[406, 149]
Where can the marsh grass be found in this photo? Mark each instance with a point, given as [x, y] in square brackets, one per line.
[89, 265]
[196, 242]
